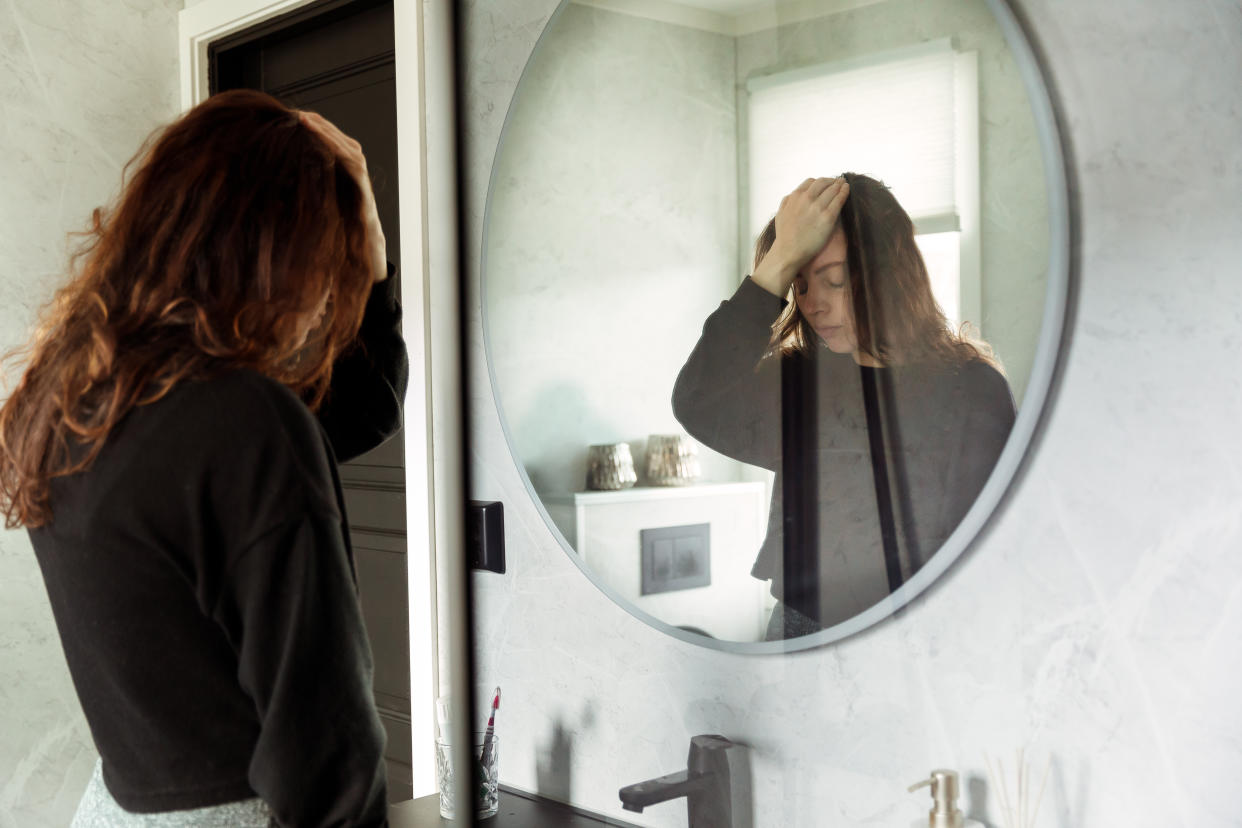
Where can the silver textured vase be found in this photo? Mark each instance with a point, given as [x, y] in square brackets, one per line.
[610, 466]
[672, 460]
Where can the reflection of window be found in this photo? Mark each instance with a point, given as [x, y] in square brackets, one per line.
[908, 118]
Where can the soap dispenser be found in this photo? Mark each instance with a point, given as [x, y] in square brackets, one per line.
[944, 812]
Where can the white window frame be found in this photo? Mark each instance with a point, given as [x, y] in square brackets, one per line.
[966, 151]
[430, 298]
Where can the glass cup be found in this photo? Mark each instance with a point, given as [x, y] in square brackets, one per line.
[487, 787]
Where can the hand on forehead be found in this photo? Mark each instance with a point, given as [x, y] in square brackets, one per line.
[831, 258]
[349, 150]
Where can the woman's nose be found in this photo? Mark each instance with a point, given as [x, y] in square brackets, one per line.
[818, 298]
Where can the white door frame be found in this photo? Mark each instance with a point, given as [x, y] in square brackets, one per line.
[429, 297]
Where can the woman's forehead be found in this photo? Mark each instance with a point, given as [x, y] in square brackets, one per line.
[830, 260]
[834, 250]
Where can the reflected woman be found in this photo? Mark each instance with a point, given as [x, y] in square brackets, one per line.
[181, 497]
[881, 423]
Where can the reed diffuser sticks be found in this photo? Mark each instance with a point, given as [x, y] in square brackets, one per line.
[1021, 810]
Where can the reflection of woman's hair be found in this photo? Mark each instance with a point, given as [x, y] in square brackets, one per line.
[896, 318]
[235, 223]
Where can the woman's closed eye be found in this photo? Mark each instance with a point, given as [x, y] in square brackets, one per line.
[801, 285]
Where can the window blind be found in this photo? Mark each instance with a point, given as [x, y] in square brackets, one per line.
[892, 119]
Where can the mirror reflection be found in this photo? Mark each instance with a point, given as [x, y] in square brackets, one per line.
[880, 422]
[793, 257]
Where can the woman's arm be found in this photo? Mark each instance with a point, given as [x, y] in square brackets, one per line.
[979, 434]
[291, 609]
[726, 395]
[363, 406]
[287, 601]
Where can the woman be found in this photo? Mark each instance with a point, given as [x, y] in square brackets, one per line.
[881, 423]
[181, 497]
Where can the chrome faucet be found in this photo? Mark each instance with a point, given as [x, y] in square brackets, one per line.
[704, 783]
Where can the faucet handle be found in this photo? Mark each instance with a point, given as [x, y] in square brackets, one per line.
[707, 754]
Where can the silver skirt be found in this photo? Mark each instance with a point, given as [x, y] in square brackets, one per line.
[99, 810]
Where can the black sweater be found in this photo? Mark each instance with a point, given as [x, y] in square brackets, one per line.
[202, 581]
[805, 417]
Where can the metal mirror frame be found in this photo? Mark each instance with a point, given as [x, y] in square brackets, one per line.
[1051, 353]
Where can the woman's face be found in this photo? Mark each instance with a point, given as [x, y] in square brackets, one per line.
[822, 292]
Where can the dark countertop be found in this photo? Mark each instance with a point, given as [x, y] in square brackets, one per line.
[517, 810]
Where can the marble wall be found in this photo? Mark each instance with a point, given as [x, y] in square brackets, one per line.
[82, 82]
[613, 235]
[1097, 620]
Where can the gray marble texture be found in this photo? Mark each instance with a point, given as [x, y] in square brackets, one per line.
[1097, 620]
[612, 236]
[82, 82]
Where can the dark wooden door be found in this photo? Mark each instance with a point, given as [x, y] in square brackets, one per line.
[336, 58]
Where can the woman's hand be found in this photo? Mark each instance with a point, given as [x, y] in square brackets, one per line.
[350, 153]
[804, 223]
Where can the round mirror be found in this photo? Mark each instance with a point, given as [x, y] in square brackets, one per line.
[773, 295]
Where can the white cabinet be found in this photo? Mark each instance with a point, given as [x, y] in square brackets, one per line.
[606, 529]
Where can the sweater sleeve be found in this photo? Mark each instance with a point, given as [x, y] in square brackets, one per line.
[979, 439]
[363, 407]
[725, 397]
[287, 600]
[290, 607]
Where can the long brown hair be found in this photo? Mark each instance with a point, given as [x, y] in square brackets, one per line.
[235, 223]
[896, 318]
